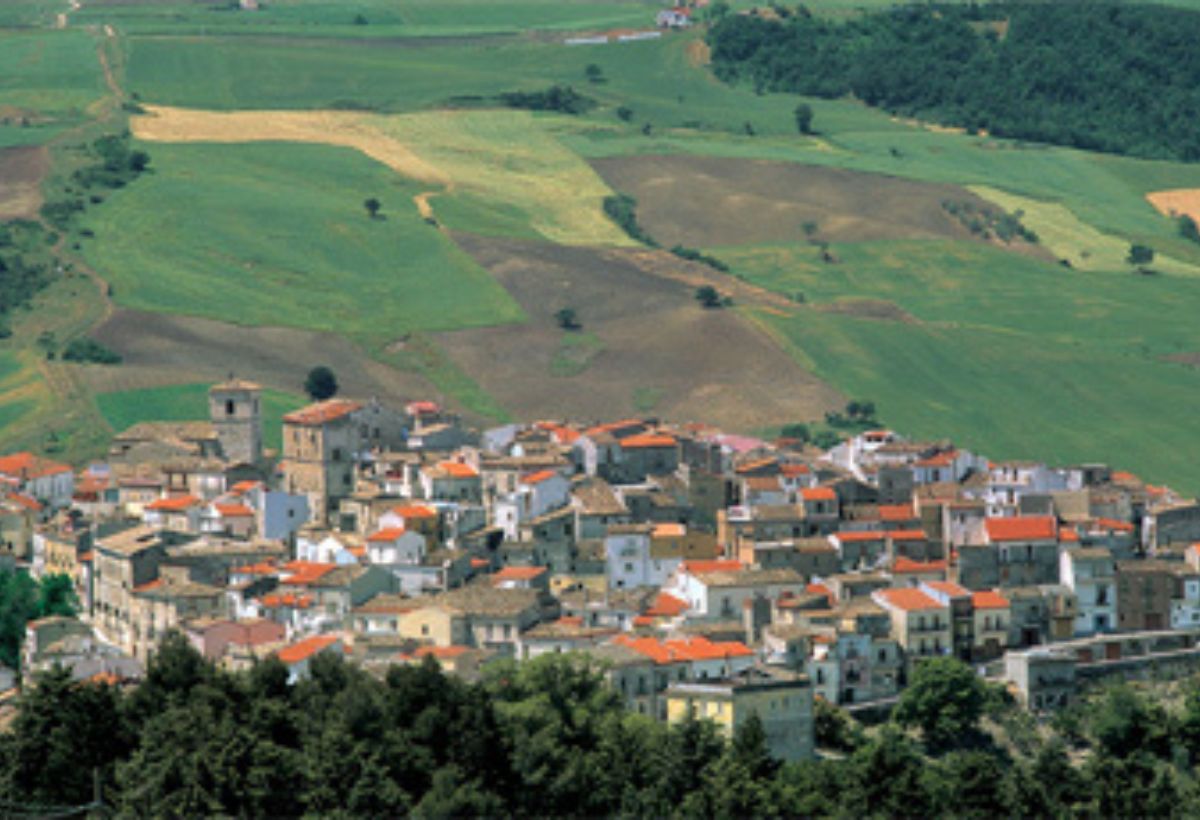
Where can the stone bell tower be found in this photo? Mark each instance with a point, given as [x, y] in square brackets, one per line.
[235, 408]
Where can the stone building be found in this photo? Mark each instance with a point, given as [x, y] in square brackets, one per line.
[235, 408]
[319, 444]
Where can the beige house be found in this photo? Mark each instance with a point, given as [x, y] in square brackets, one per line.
[167, 603]
[920, 623]
[123, 562]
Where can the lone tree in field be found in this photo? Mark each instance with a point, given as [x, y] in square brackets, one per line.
[708, 297]
[567, 319]
[594, 73]
[1188, 229]
[1140, 255]
[804, 118]
[373, 206]
[321, 384]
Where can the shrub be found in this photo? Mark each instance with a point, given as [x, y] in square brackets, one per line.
[84, 349]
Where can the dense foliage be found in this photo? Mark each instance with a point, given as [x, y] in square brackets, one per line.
[84, 349]
[23, 269]
[22, 598]
[1099, 76]
[622, 209]
[546, 738]
[321, 383]
[563, 99]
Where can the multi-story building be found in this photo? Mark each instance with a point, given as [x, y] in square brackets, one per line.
[320, 444]
[1090, 572]
[236, 415]
[920, 623]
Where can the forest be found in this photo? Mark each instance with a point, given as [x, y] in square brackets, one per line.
[550, 738]
[1099, 76]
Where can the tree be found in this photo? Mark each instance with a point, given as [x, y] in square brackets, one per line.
[56, 596]
[624, 113]
[567, 319]
[944, 700]
[708, 296]
[1188, 229]
[321, 383]
[594, 73]
[1124, 722]
[373, 207]
[1140, 254]
[798, 431]
[804, 118]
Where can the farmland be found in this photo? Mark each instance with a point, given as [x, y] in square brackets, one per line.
[267, 131]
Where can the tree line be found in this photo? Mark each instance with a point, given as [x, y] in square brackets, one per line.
[1099, 76]
[550, 738]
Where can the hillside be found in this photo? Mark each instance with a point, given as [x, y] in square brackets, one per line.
[875, 257]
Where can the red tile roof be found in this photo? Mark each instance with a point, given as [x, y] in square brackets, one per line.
[302, 650]
[794, 470]
[286, 600]
[646, 441]
[854, 537]
[234, 511]
[820, 589]
[322, 412]
[1114, 524]
[666, 605]
[696, 567]
[27, 466]
[668, 529]
[25, 501]
[538, 477]
[306, 572]
[613, 426]
[149, 585]
[518, 574]
[944, 459]
[390, 534]
[949, 588]
[456, 469]
[261, 568]
[1067, 534]
[1022, 528]
[989, 599]
[480, 563]
[909, 600]
[818, 494]
[685, 649]
[907, 565]
[896, 512]
[414, 511]
[174, 504]
[243, 487]
[907, 535]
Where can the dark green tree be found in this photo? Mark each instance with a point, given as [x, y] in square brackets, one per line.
[1188, 229]
[321, 383]
[804, 118]
[708, 296]
[945, 700]
[1140, 254]
[567, 318]
[373, 207]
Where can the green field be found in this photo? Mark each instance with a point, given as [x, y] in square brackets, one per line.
[189, 402]
[1017, 358]
[276, 234]
[373, 18]
[51, 73]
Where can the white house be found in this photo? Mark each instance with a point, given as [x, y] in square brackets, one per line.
[535, 495]
[298, 656]
[48, 481]
[627, 556]
[1091, 574]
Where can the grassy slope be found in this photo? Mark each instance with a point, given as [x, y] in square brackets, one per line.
[384, 18]
[240, 233]
[188, 402]
[1016, 357]
[53, 73]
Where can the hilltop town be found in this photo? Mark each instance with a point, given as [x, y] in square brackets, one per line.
[707, 573]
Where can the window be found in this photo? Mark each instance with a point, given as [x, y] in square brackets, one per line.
[229, 407]
[424, 629]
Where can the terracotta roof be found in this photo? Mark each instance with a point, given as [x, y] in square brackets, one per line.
[909, 600]
[422, 407]
[390, 534]
[698, 567]
[666, 605]
[944, 459]
[896, 512]
[856, 536]
[174, 504]
[414, 511]
[25, 501]
[149, 585]
[456, 469]
[1114, 524]
[243, 487]
[820, 589]
[647, 440]
[794, 470]
[1022, 528]
[907, 535]
[538, 477]
[274, 601]
[1068, 534]
[643, 620]
[480, 563]
[27, 466]
[686, 649]
[518, 574]
[234, 511]
[262, 568]
[818, 494]
[989, 599]
[306, 572]
[613, 426]
[949, 588]
[668, 530]
[306, 648]
[322, 412]
[908, 565]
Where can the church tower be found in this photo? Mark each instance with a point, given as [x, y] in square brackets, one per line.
[235, 407]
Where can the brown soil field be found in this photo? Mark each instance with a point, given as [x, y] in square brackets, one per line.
[160, 349]
[1177, 202]
[704, 202]
[21, 172]
[660, 352]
